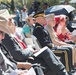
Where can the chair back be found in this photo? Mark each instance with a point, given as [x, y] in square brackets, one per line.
[36, 42]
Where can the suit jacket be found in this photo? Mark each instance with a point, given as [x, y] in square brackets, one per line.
[15, 50]
[42, 35]
[6, 58]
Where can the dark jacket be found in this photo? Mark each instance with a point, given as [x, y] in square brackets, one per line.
[42, 35]
[7, 63]
[15, 50]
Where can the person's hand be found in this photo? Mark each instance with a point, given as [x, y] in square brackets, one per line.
[31, 49]
[34, 51]
[51, 45]
[19, 72]
[22, 72]
[25, 65]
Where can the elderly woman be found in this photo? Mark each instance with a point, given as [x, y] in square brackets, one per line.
[28, 27]
[62, 32]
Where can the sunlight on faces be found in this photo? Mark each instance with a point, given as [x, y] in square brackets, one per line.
[10, 21]
[2, 33]
[12, 25]
[41, 20]
[50, 20]
[30, 20]
[63, 19]
[39, 17]
[7, 25]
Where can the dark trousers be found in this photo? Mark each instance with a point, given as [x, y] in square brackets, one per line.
[48, 60]
[23, 22]
[65, 54]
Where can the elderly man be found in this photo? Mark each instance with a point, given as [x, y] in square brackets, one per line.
[39, 31]
[49, 27]
[50, 24]
[7, 58]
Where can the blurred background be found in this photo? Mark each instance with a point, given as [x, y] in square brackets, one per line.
[19, 3]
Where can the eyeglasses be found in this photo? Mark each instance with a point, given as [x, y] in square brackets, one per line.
[2, 33]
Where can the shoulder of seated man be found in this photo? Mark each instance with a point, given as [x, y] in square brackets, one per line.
[38, 27]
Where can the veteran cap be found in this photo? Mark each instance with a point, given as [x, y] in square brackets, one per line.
[39, 14]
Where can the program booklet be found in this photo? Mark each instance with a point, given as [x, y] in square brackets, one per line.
[40, 51]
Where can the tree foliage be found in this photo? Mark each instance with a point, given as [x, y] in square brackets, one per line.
[28, 2]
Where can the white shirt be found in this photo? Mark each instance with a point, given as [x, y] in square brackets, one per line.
[24, 16]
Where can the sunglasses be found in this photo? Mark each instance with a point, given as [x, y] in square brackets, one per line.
[2, 33]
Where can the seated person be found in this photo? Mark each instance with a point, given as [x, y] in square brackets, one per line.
[62, 32]
[52, 65]
[7, 58]
[28, 26]
[49, 27]
[51, 31]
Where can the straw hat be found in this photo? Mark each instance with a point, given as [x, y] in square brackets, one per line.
[4, 13]
[9, 29]
[4, 27]
[4, 16]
